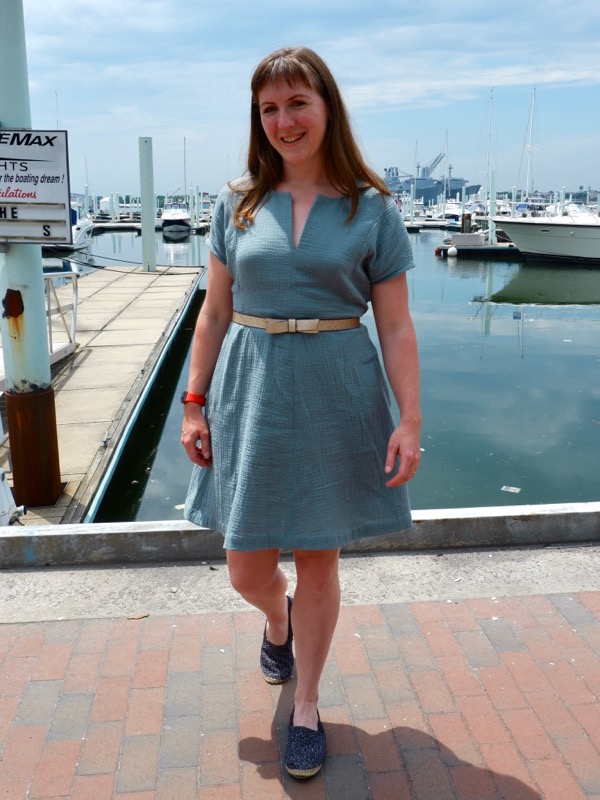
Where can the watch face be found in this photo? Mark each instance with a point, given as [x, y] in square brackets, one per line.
[183, 396]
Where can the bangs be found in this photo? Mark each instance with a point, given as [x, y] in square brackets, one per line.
[289, 68]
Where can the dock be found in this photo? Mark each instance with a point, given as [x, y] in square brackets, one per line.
[125, 319]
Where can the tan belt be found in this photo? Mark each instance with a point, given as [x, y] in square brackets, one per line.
[296, 325]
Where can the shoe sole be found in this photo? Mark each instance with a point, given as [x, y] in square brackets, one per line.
[276, 681]
[303, 773]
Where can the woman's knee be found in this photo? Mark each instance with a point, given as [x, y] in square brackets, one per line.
[319, 568]
[249, 573]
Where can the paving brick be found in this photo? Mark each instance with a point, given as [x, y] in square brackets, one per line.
[528, 734]
[555, 780]
[432, 692]
[93, 787]
[539, 645]
[392, 681]
[341, 734]
[588, 716]
[180, 746]
[556, 719]
[478, 649]
[502, 636]
[184, 695]
[81, 674]
[378, 745]
[155, 633]
[93, 636]
[482, 719]
[38, 703]
[179, 784]
[218, 630]
[111, 699]
[441, 639]
[454, 740]
[411, 727]
[584, 760]
[145, 712]
[71, 717]
[572, 609]
[218, 665]
[509, 771]
[101, 748]
[473, 783]
[526, 673]
[264, 780]
[22, 751]
[458, 616]
[119, 659]
[428, 774]
[388, 785]
[219, 706]
[459, 676]
[364, 701]
[344, 777]
[258, 737]
[569, 685]
[378, 642]
[52, 661]
[230, 792]
[415, 652]
[350, 657]
[399, 619]
[138, 769]
[219, 759]
[151, 669]
[184, 654]
[55, 771]
[501, 688]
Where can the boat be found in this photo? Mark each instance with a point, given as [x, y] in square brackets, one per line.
[425, 186]
[569, 239]
[82, 230]
[176, 217]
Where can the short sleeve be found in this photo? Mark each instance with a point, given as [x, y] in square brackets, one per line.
[390, 252]
[218, 225]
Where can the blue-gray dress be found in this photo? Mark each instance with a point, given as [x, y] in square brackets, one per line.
[300, 423]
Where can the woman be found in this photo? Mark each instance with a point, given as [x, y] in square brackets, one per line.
[297, 449]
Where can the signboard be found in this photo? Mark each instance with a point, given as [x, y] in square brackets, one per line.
[35, 203]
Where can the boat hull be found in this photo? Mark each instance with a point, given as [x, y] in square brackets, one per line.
[560, 239]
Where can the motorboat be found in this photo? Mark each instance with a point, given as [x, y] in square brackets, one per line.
[82, 230]
[568, 238]
[176, 217]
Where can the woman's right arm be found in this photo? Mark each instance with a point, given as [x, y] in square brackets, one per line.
[212, 324]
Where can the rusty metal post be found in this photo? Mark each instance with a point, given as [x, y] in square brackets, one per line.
[29, 394]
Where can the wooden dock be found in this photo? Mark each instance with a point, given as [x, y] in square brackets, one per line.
[125, 319]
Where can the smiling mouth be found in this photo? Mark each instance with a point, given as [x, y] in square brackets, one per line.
[292, 139]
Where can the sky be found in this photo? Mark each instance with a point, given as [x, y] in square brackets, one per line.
[419, 78]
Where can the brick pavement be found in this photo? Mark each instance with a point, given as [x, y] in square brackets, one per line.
[471, 700]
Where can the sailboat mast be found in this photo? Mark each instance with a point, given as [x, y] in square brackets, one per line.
[184, 173]
[529, 143]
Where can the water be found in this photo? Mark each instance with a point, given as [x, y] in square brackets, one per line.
[511, 389]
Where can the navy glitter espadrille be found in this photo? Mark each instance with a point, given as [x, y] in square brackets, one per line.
[306, 750]
[277, 660]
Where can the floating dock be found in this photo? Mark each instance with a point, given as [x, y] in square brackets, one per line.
[125, 320]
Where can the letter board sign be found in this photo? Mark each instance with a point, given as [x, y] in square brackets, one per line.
[35, 205]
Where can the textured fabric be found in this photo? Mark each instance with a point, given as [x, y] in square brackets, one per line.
[300, 424]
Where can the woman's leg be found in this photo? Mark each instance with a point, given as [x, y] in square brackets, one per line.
[259, 579]
[314, 617]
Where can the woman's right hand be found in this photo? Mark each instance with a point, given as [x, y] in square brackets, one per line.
[195, 435]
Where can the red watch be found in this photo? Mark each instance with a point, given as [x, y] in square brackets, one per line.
[190, 397]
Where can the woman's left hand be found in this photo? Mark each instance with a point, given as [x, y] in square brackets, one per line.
[404, 444]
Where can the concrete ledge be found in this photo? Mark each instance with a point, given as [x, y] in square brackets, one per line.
[147, 542]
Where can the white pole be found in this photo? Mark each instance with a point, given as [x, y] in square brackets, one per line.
[29, 396]
[492, 224]
[147, 199]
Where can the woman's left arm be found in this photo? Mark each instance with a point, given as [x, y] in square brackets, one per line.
[398, 341]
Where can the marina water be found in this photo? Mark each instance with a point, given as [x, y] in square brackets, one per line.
[510, 358]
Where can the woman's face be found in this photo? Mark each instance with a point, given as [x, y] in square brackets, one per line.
[294, 118]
